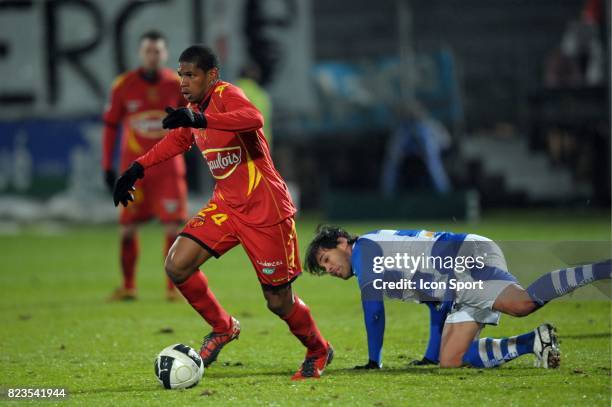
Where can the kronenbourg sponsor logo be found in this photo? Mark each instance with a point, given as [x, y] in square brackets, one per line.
[222, 162]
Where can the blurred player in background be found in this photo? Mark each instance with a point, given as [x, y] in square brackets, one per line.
[493, 290]
[137, 103]
[250, 206]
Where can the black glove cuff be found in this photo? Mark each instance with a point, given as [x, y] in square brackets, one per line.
[199, 121]
[137, 169]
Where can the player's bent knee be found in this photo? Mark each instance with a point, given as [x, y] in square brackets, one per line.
[276, 307]
[279, 305]
[280, 302]
[176, 271]
[521, 308]
[450, 362]
[451, 357]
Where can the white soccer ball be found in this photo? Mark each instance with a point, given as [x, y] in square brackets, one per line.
[178, 367]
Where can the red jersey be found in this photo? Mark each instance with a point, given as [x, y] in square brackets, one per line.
[137, 105]
[238, 156]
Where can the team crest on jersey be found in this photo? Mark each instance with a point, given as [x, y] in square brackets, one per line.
[196, 222]
[148, 124]
[222, 162]
[153, 95]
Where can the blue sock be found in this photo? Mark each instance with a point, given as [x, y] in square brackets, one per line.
[489, 352]
[437, 316]
[560, 282]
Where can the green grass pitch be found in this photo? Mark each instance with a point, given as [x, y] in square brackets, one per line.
[58, 331]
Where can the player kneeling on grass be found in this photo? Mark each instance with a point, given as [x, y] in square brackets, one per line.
[465, 274]
[250, 206]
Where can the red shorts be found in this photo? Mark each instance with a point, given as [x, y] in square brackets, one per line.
[163, 197]
[273, 250]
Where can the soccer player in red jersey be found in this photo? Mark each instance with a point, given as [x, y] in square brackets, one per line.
[250, 206]
[137, 103]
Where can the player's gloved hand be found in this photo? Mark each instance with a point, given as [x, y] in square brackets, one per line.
[370, 365]
[183, 117]
[110, 177]
[125, 184]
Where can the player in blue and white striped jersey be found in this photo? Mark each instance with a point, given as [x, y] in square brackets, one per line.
[464, 279]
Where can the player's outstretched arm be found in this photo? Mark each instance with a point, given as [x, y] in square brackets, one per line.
[174, 143]
[372, 304]
[438, 311]
[374, 318]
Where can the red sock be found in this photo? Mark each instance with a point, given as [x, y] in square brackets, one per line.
[305, 329]
[195, 290]
[170, 238]
[129, 254]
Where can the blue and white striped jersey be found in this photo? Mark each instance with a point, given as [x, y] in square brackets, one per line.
[395, 255]
[389, 243]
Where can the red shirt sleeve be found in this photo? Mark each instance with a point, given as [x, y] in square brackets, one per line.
[176, 142]
[112, 118]
[240, 114]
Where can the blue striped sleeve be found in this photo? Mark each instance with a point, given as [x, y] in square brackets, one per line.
[374, 317]
[371, 299]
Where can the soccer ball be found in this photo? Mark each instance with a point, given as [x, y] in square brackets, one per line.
[178, 367]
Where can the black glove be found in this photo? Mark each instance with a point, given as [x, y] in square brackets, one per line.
[370, 365]
[110, 177]
[183, 117]
[422, 362]
[125, 184]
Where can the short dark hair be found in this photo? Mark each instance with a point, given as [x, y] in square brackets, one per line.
[153, 35]
[326, 237]
[203, 57]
